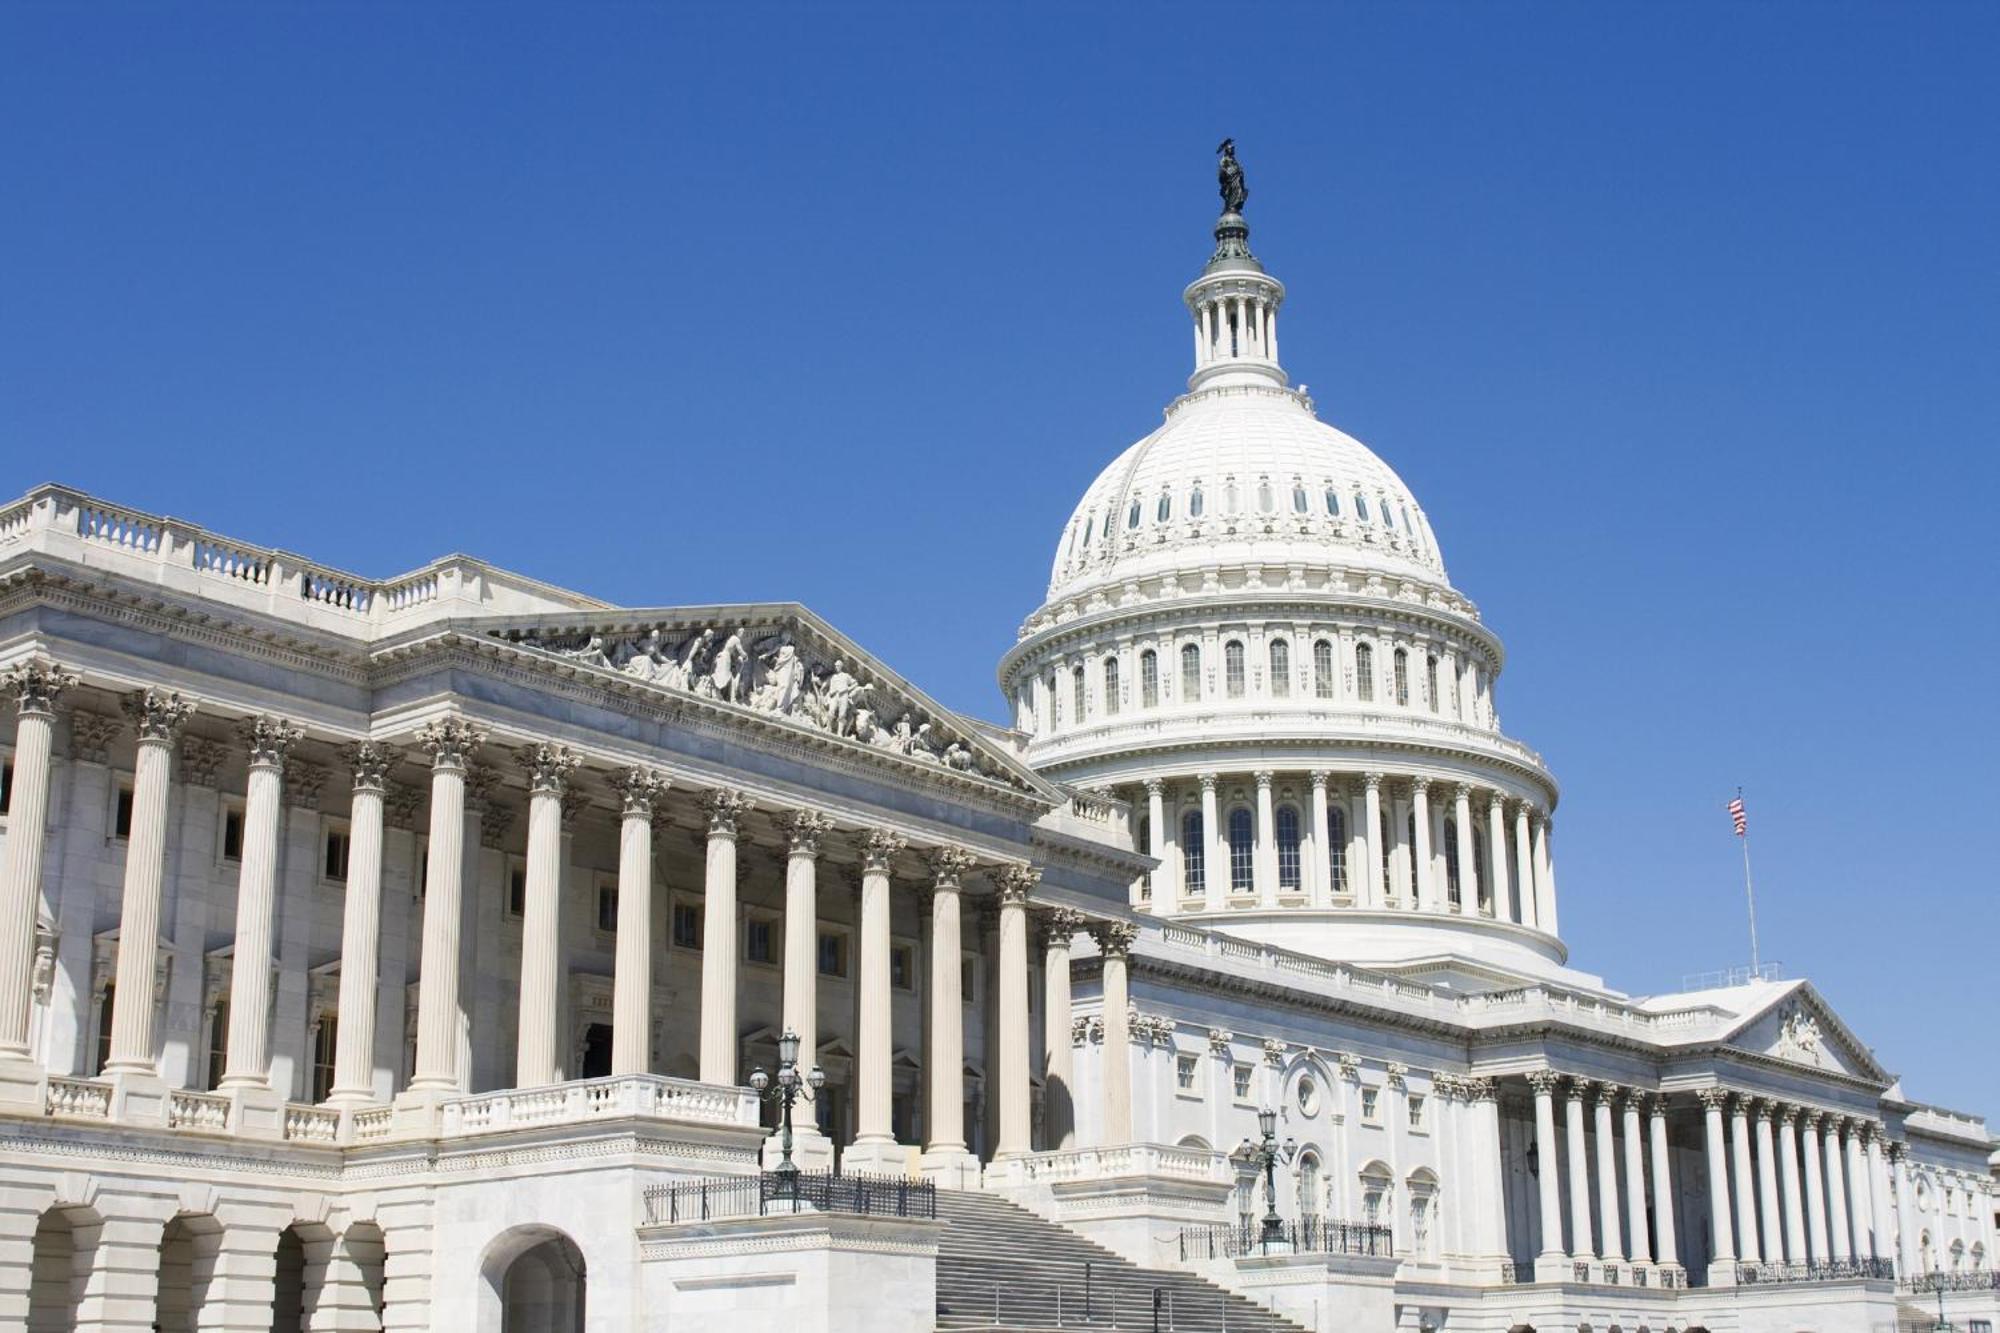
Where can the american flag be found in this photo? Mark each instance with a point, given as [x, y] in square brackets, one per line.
[1737, 817]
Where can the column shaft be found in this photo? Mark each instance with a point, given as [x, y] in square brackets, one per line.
[1524, 865]
[801, 1001]
[1545, 879]
[1861, 1213]
[1878, 1196]
[718, 940]
[35, 688]
[1468, 866]
[1767, 1188]
[1581, 1243]
[1015, 1101]
[1746, 1183]
[1265, 872]
[875, 1094]
[1550, 1187]
[1639, 1250]
[944, 1113]
[1788, 1180]
[632, 963]
[450, 742]
[1496, 844]
[541, 926]
[1667, 1243]
[360, 930]
[1319, 874]
[1162, 878]
[1371, 828]
[1815, 1188]
[1058, 1054]
[145, 867]
[1836, 1193]
[1215, 870]
[1607, 1175]
[1116, 941]
[1420, 811]
[1906, 1236]
[1722, 1249]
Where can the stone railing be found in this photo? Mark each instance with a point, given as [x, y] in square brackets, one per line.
[1132, 1159]
[82, 1098]
[642, 1095]
[311, 1124]
[172, 553]
[202, 1111]
[376, 1122]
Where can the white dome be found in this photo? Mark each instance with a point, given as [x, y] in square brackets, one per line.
[1243, 473]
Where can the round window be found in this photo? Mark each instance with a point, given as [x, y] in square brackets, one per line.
[1308, 1096]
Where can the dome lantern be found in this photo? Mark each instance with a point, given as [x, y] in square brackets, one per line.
[1234, 302]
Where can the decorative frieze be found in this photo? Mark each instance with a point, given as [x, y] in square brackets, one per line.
[201, 761]
[90, 736]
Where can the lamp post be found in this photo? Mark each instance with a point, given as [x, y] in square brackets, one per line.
[1268, 1153]
[790, 1087]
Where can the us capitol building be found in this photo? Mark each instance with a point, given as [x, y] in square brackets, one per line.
[451, 951]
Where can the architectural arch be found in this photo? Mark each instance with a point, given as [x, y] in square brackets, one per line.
[1421, 1190]
[1378, 1193]
[1309, 1184]
[352, 1295]
[65, 1245]
[189, 1244]
[532, 1280]
[1194, 1143]
[298, 1278]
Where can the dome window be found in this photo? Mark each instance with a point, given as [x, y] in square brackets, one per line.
[1281, 669]
[1336, 849]
[1089, 528]
[1288, 847]
[1149, 679]
[1165, 510]
[1242, 852]
[1332, 502]
[1299, 502]
[1431, 681]
[1111, 690]
[1132, 516]
[1402, 678]
[1364, 673]
[1190, 673]
[1266, 501]
[1194, 854]
[1323, 669]
[1232, 668]
[1229, 497]
[1079, 691]
[1360, 508]
[1194, 503]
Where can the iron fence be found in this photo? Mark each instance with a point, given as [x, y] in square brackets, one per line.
[1815, 1270]
[790, 1192]
[1978, 1279]
[1308, 1235]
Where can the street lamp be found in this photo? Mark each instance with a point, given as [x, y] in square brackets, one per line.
[791, 1086]
[1269, 1152]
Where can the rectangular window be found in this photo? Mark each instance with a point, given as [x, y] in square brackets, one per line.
[1431, 681]
[903, 967]
[334, 854]
[607, 906]
[1402, 679]
[968, 979]
[1240, 1080]
[1111, 686]
[687, 925]
[1370, 1098]
[218, 1044]
[326, 1040]
[517, 887]
[1323, 669]
[232, 826]
[1184, 1071]
[121, 818]
[832, 954]
[1190, 674]
[1416, 1110]
[1149, 680]
[759, 941]
[1232, 669]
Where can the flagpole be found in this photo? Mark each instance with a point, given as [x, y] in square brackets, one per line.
[1749, 895]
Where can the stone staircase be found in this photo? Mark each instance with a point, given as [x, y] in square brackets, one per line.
[1001, 1266]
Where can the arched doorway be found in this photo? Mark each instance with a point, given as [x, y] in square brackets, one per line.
[188, 1247]
[534, 1282]
[352, 1293]
[298, 1279]
[65, 1241]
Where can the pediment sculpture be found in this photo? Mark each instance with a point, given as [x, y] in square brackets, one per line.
[1799, 1037]
[770, 671]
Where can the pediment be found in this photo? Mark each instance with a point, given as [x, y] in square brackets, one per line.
[1798, 1027]
[781, 662]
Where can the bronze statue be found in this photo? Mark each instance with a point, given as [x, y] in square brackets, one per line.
[1230, 173]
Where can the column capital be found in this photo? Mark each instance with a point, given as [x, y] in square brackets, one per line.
[1208, 781]
[1462, 791]
[36, 685]
[1420, 787]
[201, 761]
[1869, 1131]
[451, 740]
[1640, 1100]
[157, 715]
[1318, 778]
[480, 780]
[1811, 1119]
[1899, 1151]
[1480, 1089]
[574, 801]
[1496, 801]
[1579, 1087]
[724, 806]
[1349, 1063]
[879, 848]
[948, 865]
[370, 763]
[804, 831]
[1155, 786]
[269, 739]
[1606, 1094]
[549, 765]
[1544, 1082]
[1765, 1110]
[1016, 882]
[1263, 779]
[1114, 938]
[1371, 781]
[1218, 1041]
[639, 791]
[494, 821]
[1396, 1073]
[1740, 1104]
[1789, 1115]
[1712, 1099]
[1057, 925]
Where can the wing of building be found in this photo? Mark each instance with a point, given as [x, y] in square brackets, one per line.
[453, 951]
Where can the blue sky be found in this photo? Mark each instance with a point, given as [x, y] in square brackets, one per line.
[1680, 321]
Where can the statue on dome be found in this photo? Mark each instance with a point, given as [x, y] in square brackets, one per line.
[1230, 175]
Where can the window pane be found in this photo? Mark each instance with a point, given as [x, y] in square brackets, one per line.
[1402, 678]
[1194, 853]
[1241, 850]
[1232, 669]
[1288, 847]
[1149, 678]
[1336, 848]
[1190, 673]
[1281, 669]
[1323, 669]
[1364, 672]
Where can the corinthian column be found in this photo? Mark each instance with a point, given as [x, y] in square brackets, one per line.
[1264, 863]
[1371, 866]
[360, 929]
[1607, 1174]
[944, 1112]
[804, 830]
[1746, 1181]
[1319, 874]
[35, 687]
[1468, 866]
[718, 941]
[1016, 883]
[1635, 1181]
[1836, 1190]
[450, 742]
[1722, 1247]
[639, 791]
[1788, 1179]
[1815, 1183]
[1215, 850]
[549, 768]
[1424, 880]
[1058, 1056]
[1859, 1204]
[1545, 1082]
[1524, 865]
[1114, 940]
[270, 739]
[875, 1146]
[1582, 1246]
[1496, 843]
[159, 716]
[1663, 1186]
[1878, 1191]
[1767, 1186]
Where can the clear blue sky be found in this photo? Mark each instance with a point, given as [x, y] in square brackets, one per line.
[1680, 320]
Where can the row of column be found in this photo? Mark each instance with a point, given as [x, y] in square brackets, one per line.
[1613, 1235]
[1791, 1184]
[1374, 812]
[159, 717]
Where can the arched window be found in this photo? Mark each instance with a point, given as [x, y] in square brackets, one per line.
[1089, 527]
[1229, 496]
[1190, 673]
[1194, 853]
[1361, 506]
[1364, 672]
[1431, 681]
[1149, 679]
[1110, 686]
[1388, 514]
[1336, 848]
[1194, 503]
[1323, 669]
[1333, 502]
[1402, 679]
[1079, 695]
[1232, 668]
[1241, 849]
[1308, 1184]
[1299, 502]
[1281, 669]
[1266, 501]
[1451, 862]
[1165, 509]
[1132, 515]
[1288, 847]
